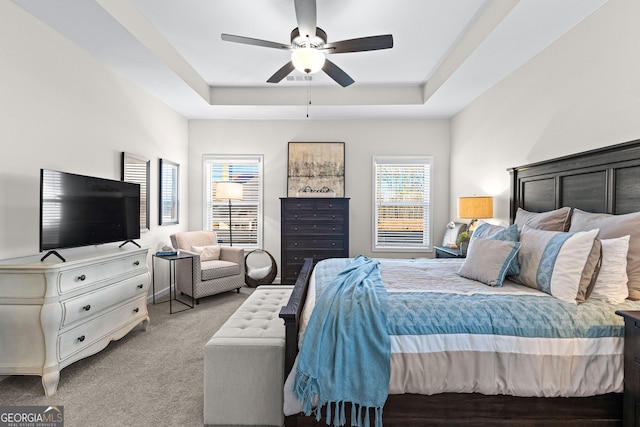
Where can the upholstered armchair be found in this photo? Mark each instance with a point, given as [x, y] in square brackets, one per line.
[216, 268]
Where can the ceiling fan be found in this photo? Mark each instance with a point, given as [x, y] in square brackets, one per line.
[309, 45]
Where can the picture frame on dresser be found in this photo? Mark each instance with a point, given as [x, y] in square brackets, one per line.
[315, 169]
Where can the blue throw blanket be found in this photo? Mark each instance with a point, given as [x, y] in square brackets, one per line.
[346, 352]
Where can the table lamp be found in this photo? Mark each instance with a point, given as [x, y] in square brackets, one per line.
[474, 208]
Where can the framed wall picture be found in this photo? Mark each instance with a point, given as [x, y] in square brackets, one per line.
[136, 169]
[169, 203]
[315, 169]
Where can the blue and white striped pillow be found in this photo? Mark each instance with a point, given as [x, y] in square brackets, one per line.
[556, 262]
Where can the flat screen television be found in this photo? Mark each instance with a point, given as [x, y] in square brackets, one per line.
[77, 210]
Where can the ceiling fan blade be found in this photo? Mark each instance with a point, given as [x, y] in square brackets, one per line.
[361, 44]
[306, 17]
[254, 42]
[336, 73]
[281, 73]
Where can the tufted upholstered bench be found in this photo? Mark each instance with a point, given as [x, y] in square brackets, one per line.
[244, 363]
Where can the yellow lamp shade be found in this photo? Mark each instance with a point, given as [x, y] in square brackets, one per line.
[475, 207]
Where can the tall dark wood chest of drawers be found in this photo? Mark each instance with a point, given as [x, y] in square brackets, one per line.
[315, 228]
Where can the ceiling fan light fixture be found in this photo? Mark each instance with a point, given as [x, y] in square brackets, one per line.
[307, 60]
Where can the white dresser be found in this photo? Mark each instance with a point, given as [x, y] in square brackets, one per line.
[53, 313]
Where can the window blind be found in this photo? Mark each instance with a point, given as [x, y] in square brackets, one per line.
[246, 214]
[402, 214]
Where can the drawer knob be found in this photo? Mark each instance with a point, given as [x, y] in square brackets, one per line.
[136, 262]
[295, 228]
[135, 310]
[82, 278]
[333, 216]
[330, 205]
[333, 243]
[87, 307]
[81, 338]
[295, 216]
[140, 286]
[295, 243]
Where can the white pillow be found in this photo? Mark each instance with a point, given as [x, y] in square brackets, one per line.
[207, 253]
[611, 283]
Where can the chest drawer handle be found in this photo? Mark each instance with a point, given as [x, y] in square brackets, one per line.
[140, 286]
[136, 263]
[81, 338]
[82, 278]
[333, 243]
[87, 307]
[135, 310]
[295, 244]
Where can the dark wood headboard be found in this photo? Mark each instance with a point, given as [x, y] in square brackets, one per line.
[605, 180]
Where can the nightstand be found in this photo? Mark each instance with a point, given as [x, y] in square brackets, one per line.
[444, 252]
[631, 410]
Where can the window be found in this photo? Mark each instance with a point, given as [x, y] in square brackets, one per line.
[402, 203]
[246, 214]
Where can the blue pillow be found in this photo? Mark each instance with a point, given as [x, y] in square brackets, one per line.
[506, 234]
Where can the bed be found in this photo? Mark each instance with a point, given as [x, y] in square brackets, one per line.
[599, 181]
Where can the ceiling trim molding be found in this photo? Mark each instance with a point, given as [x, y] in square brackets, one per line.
[146, 33]
[488, 19]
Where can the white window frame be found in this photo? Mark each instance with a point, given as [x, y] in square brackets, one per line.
[426, 245]
[207, 189]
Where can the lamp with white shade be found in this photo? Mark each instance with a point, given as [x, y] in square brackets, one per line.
[226, 190]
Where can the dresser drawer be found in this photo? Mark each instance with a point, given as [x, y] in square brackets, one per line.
[298, 204]
[83, 335]
[88, 304]
[303, 228]
[302, 243]
[297, 257]
[330, 205]
[314, 216]
[75, 278]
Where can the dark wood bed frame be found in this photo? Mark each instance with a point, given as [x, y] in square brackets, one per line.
[604, 180]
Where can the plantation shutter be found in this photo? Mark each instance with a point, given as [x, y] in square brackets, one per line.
[402, 212]
[246, 214]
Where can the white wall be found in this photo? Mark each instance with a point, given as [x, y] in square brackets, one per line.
[362, 139]
[60, 109]
[581, 93]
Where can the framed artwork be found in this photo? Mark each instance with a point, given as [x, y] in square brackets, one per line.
[315, 169]
[169, 202]
[136, 169]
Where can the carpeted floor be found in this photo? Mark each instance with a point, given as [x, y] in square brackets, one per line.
[147, 378]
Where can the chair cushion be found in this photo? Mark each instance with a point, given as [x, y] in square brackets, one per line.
[216, 269]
